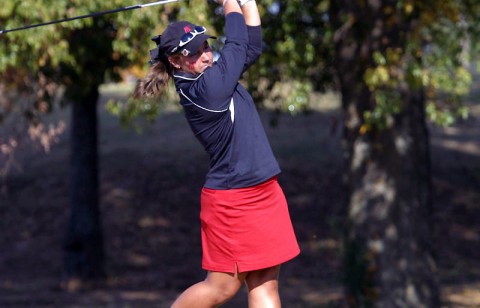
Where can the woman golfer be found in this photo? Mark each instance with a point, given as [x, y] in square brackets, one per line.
[245, 224]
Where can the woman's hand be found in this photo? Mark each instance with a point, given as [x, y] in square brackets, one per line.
[229, 6]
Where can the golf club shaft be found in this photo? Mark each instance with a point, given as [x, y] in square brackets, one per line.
[128, 8]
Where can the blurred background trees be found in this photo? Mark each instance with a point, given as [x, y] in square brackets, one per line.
[74, 59]
[397, 65]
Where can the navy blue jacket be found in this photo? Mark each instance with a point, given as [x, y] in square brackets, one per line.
[222, 114]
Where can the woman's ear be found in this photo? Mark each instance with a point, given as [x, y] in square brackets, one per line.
[174, 62]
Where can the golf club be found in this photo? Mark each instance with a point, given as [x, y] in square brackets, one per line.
[128, 8]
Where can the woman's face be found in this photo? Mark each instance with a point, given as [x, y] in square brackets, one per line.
[196, 63]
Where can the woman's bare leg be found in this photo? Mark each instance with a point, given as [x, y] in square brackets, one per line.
[215, 290]
[263, 288]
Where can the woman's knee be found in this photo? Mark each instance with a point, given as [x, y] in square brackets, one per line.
[225, 286]
[263, 288]
[265, 278]
[225, 293]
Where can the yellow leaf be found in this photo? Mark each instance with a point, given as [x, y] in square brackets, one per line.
[363, 129]
[409, 8]
[382, 73]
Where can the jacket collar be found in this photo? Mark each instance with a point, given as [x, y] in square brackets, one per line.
[185, 75]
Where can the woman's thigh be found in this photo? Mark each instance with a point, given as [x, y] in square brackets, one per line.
[264, 277]
[226, 283]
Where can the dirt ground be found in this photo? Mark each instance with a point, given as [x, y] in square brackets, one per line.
[150, 185]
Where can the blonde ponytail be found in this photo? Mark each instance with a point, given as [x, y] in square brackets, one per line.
[155, 83]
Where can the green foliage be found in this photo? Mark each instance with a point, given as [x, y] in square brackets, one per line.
[79, 52]
[298, 45]
[292, 96]
[437, 57]
[35, 47]
[299, 50]
[135, 113]
[131, 111]
[383, 80]
[451, 41]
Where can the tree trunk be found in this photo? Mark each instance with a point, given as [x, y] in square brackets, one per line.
[389, 255]
[84, 254]
[388, 245]
[84, 246]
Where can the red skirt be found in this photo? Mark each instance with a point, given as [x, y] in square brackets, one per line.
[246, 229]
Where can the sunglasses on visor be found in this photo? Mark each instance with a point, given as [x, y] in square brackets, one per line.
[187, 38]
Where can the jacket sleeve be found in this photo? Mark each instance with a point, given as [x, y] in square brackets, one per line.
[215, 88]
[254, 46]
